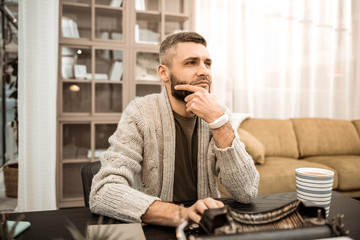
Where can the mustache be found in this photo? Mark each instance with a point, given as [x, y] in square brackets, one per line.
[202, 79]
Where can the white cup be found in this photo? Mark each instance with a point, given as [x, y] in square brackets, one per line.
[315, 185]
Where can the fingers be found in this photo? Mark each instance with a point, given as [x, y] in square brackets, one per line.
[212, 203]
[196, 210]
[190, 88]
[220, 204]
[195, 217]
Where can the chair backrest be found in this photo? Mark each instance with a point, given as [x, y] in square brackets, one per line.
[88, 171]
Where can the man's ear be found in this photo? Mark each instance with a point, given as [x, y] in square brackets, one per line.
[164, 73]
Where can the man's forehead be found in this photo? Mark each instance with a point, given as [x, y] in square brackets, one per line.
[185, 50]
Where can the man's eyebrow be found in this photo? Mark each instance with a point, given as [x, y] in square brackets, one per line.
[196, 59]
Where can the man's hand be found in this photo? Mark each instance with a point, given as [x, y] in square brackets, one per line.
[204, 105]
[167, 214]
[201, 102]
[195, 212]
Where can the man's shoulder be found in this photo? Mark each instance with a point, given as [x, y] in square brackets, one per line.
[146, 105]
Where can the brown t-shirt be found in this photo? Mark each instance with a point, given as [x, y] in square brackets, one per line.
[185, 180]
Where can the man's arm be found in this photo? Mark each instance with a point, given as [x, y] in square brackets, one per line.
[168, 214]
[237, 172]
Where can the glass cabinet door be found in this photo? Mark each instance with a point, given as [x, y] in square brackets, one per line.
[108, 97]
[102, 134]
[146, 66]
[76, 21]
[146, 76]
[76, 97]
[108, 64]
[76, 141]
[75, 63]
[144, 89]
[147, 28]
[71, 180]
[108, 23]
[175, 24]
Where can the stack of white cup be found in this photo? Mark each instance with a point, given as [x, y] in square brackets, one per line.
[315, 185]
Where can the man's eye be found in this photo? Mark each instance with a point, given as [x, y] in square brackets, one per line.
[208, 64]
[190, 63]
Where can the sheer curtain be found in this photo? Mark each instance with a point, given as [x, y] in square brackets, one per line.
[284, 58]
[38, 41]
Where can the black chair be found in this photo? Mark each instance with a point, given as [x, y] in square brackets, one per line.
[88, 171]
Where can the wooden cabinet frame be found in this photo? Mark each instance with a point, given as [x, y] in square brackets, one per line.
[129, 49]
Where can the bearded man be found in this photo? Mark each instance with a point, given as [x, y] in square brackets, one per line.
[172, 147]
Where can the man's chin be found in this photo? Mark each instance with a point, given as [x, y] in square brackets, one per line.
[180, 94]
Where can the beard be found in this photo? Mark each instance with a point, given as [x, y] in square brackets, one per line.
[182, 94]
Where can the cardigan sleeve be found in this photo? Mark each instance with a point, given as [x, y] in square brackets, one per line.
[236, 170]
[114, 192]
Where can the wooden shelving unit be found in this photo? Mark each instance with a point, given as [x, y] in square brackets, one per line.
[108, 55]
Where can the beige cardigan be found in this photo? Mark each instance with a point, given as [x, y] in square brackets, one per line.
[138, 167]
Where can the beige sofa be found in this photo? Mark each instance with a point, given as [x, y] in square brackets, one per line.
[278, 147]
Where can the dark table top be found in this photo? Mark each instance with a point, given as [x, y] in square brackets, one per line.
[53, 224]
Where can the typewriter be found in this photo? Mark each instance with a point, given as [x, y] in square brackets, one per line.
[295, 220]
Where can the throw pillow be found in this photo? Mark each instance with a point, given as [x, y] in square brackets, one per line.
[253, 146]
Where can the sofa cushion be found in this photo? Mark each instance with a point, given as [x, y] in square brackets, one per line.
[277, 136]
[278, 174]
[253, 146]
[321, 136]
[357, 125]
[347, 168]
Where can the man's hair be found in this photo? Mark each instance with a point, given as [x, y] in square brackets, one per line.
[172, 40]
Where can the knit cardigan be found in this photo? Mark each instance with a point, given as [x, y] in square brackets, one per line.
[138, 168]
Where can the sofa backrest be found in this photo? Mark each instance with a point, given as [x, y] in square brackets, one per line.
[323, 136]
[276, 135]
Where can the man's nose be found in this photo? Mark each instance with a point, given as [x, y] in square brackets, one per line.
[203, 70]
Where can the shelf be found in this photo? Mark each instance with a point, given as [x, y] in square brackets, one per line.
[86, 118]
[148, 15]
[100, 6]
[75, 80]
[76, 4]
[108, 56]
[144, 82]
[108, 82]
[67, 161]
[175, 18]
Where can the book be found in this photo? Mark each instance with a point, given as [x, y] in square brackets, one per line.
[69, 28]
[116, 71]
[140, 5]
[80, 71]
[116, 3]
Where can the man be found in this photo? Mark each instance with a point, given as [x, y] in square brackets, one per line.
[173, 146]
